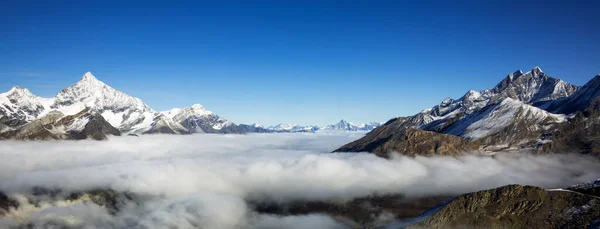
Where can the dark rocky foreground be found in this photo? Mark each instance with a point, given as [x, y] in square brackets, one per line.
[511, 206]
[364, 212]
[516, 206]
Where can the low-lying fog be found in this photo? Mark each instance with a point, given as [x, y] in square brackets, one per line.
[205, 181]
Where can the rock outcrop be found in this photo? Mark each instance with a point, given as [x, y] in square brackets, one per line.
[55, 125]
[516, 206]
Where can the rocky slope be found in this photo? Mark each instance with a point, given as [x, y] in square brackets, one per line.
[411, 142]
[514, 115]
[580, 100]
[516, 206]
[84, 125]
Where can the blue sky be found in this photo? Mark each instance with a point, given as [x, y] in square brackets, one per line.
[305, 62]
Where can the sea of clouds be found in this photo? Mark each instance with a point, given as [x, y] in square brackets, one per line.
[206, 181]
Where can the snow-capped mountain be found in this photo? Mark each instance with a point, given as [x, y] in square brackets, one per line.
[19, 106]
[497, 117]
[341, 125]
[533, 87]
[256, 125]
[125, 112]
[292, 128]
[198, 119]
[524, 110]
[578, 101]
[130, 115]
[348, 126]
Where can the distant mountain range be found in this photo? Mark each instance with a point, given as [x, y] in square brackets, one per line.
[342, 125]
[92, 109]
[524, 111]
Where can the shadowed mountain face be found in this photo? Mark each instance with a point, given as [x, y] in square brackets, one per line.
[83, 125]
[409, 141]
[525, 111]
[580, 100]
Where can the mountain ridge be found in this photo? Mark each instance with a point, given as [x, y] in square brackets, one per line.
[514, 115]
[130, 115]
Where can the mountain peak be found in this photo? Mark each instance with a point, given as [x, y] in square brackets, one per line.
[447, 101]
[513, 76]
[537, 69]
[88, 76]
[197, 107]
[16, 90]
[89, 79]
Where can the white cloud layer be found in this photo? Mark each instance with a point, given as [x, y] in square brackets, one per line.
[203, 181]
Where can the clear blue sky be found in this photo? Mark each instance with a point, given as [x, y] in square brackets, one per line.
[305, 62]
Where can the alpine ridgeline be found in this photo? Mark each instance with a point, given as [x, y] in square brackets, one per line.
[92, 109]
[525, 111]
[342, 125]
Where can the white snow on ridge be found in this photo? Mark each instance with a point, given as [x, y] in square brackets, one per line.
[90, 92]
[22, 103]
[127, 113]
[500, 116]
[79, 123]
[197, 116]
[342, 125]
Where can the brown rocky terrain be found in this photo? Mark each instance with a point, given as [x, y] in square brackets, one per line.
[365, 212]
[412, 142]
[516, 206]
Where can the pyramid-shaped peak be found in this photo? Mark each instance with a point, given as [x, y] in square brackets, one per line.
[88, 76]
[89, 79]
[537, 69]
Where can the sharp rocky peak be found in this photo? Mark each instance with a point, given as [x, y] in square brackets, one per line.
[515, 75]
[89, 78]
[18, 90]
